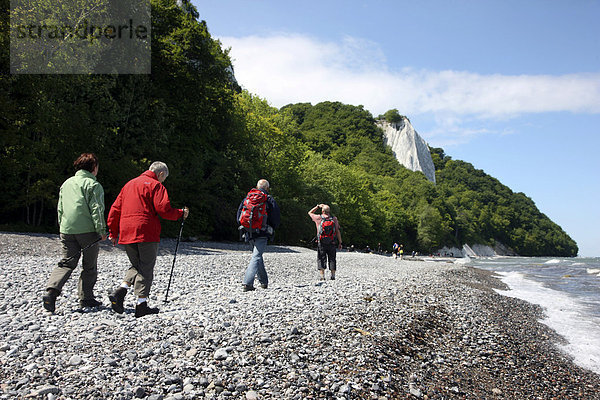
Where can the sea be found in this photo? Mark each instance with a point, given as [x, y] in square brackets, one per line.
[568, 289]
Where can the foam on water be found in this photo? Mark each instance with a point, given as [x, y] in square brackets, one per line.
[464, 260]
[552, 262]
[564, 314]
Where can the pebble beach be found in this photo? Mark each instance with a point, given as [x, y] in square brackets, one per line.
[384, 329]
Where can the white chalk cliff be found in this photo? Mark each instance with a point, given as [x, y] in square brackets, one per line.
[410, 149]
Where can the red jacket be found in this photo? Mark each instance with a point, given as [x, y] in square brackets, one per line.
[134, 214]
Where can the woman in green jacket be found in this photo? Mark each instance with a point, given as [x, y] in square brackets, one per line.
[82, 224]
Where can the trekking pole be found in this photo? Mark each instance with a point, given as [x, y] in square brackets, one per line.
[174, 258]
[66, 260]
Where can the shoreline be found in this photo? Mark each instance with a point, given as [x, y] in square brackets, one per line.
[384, 329]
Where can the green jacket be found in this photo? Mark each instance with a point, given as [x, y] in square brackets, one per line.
[81, 205]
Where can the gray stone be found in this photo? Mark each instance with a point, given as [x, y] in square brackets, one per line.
[45, 390]
[203, 381]
[344, 389]
[113, 362]
[139, 392]
[415, 391]
[221, 354]
[252, 395]
[241, 387]
[75, 360]
[172, 379]
[191, 352]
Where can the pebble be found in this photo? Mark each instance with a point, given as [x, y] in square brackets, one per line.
[252, 395]
[221, 354]
[43, 391]
[139, 392]
[384, 329]
[75, 360]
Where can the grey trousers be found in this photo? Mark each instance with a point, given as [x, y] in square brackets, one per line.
[71, 247]
[141, 273]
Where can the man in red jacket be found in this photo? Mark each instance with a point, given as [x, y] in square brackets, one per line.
[133, 219]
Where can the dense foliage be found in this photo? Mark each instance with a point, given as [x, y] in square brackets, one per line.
[485, 211]
[383, 201]
[218, 141]
[183, 113]
[392, 116]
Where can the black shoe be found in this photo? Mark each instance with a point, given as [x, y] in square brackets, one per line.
[116, 300]
[332, 278]
[143, 309]
[49, 299]
[264, 285]
[90, 303]
[248, 288]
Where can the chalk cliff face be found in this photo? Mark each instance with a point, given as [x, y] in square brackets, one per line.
[410, 149]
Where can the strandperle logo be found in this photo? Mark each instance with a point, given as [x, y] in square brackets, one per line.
[80, 37]
[86, 30]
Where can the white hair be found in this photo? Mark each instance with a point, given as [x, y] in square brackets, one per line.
[262, 184]
[158, 166]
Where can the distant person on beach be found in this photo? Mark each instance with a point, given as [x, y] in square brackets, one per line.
[401, 251]
[395, 249]
[133, 222]
[328, 230]
[259, 216]
[81, 224]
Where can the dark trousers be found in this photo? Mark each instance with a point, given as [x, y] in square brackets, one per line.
[326, 256]
[71, 247]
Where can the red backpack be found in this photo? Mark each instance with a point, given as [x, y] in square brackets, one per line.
[327, 230]
[254, 211]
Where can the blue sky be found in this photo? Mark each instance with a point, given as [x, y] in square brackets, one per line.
[512, 87]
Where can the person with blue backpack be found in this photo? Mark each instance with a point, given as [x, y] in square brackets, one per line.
[328, 230]
[258, 216]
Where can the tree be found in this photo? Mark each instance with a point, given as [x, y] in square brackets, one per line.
[393, 116]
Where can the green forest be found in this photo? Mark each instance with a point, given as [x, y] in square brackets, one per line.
[218, 140]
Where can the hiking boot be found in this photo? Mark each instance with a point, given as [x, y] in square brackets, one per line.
[248, 288]
[332, 277]
[89, 303]
[49, 299]
[116, 300]
[143, 309]
[264, 285]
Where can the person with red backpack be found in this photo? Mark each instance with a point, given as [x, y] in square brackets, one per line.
[258, 216]
[328, 230]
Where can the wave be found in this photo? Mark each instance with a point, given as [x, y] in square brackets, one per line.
[563, 313]
[464, 260]
[593, 271]
[553, 261]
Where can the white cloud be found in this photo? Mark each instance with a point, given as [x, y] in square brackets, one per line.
[293, 68]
